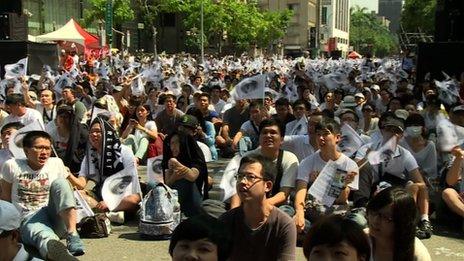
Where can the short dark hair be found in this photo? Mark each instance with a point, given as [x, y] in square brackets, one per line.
[200, 227]
[414, 119]
[303, 102]
[215, 87]
[15, 98]
[12, 125]
[329, 124]
[269, 170]
[334, 229]
[30, 137]
[351, 112]
[204, 94]
[271, 122]
[282, 102]
[256, 104]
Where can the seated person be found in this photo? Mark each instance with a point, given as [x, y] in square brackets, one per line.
[69, 137]
[205, 132]
[38, 188]
[328, 132]
[399, 169]
[139, 132]
[10, 222]
[184, 169]
[232, 120]
[299, 126]
[107, 157]
[336, 238]
[201, 237]
[260, 231]
[392, 216]
[453, 195]
[248, 135]
[6, 132]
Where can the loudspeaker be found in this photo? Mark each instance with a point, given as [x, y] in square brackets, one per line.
[449, 21]
[11, 6]
[434, 58]
[13, 27]
[39, 54]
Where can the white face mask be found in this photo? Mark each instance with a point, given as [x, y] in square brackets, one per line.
[414, 131]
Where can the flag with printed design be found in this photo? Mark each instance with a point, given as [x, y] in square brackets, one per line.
[16, 70]
[250, 88]
[15, 143]
[350, 140]
[385, 152]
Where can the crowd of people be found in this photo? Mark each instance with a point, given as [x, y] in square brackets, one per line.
[388, 147]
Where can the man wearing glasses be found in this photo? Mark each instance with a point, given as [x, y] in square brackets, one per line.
[38, 188]
[258, 228]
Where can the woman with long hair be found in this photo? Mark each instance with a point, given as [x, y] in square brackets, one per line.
[392, 218]
[184, 169]
[139, 132]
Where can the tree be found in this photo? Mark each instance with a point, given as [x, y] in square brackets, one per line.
[122, 11]
[419, 15]
[368, 35]
[244, 23]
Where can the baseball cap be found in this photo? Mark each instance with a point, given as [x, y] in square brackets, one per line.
[188, 121]
[458, 108]
[392, 121]
[359, 95]
[9, 217]
[375, 87]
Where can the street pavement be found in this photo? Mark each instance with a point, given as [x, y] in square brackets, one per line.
[124, 243]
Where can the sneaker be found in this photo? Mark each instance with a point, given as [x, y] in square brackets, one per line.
[57, 251]
[75, 244]
[116, 217]
[424, 230]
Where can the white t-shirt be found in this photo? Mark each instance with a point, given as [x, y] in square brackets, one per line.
[149, 125]
[30, 116]
[289, 167]
[219, 106]
[298, 145]
[5, 155]
[60, 143]
[425, 158]
[402, 161]
[31, 188]
[316, 163]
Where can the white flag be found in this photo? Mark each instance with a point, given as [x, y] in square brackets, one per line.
[82, 207]
[118, 186]
[328, 184]
[228, 181]
[15, 144]
[301, 127]
[137, 87]
[350, 140]
[250, 88]
[384, 154]
[16, 70]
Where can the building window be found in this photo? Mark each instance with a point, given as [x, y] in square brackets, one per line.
[293, 7]
[324, 15]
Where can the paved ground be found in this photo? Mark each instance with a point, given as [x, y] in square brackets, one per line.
[125, 244]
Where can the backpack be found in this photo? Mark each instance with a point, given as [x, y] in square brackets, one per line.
[160, 212]
[97, 226]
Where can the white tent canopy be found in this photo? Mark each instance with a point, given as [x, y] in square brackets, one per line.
[70, 32]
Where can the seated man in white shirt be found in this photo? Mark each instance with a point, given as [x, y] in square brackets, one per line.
[399, 170]
[16, 106]
[328, 133]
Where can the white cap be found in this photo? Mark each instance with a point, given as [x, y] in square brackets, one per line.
[375, 87]
[360, 95]
[9, 217]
